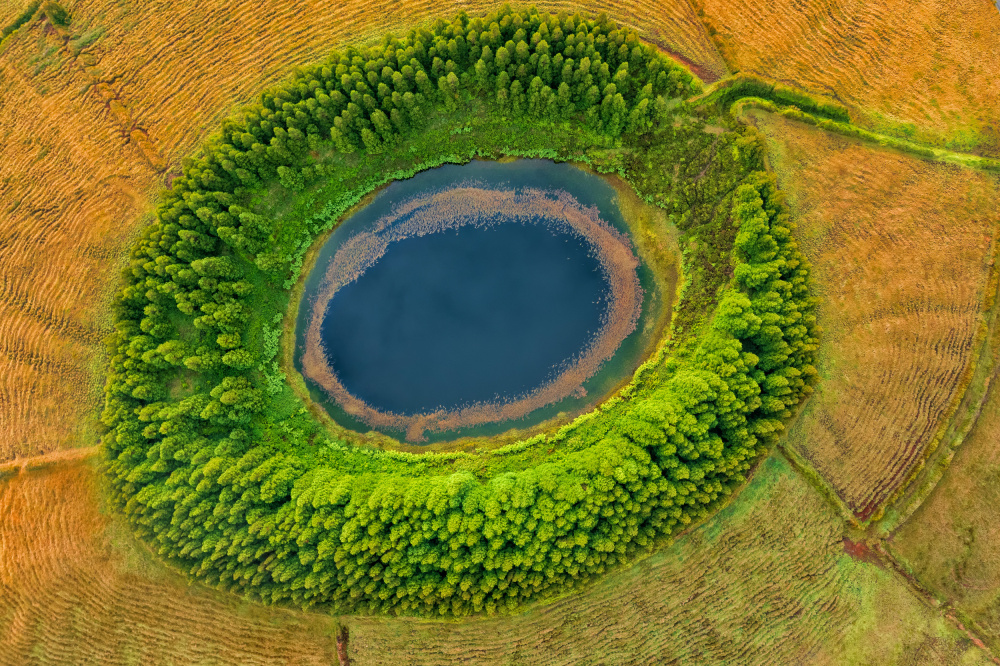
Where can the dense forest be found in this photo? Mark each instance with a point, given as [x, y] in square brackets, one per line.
[223, 471]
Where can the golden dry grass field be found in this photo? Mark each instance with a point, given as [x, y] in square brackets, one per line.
[921, 68]
[902, 250]
[95, 118]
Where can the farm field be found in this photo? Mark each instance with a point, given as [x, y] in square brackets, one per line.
[903, 251]
[95, 118]
[950, 543]
[78, 587]
[906, 68]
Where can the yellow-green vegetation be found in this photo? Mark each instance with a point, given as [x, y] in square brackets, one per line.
[757, 584]
[96, 116]
[951, 543]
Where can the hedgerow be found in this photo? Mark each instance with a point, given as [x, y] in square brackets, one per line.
[220, 467]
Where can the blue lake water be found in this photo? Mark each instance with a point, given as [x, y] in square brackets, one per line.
[464, 316]
[481, 313]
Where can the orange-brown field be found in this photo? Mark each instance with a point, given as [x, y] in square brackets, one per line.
[916, 68]
[95, 118]
[76, 590]
[902, 251]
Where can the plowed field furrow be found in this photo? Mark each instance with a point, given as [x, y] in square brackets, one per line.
[69, 599]
[901, 252]
[916, 67]
[19, 303]
[18, 353]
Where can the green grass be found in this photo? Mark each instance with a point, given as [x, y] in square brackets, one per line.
[765, 581]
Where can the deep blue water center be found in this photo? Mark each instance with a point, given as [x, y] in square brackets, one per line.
[464, 316]
[477, 314]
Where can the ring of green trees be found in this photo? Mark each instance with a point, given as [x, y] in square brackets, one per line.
[220, 467]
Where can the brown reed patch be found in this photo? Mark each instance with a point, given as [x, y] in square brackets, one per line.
[901, 251]
[478, 207]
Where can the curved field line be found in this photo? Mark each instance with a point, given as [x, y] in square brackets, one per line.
[901, 248]
[918, 70]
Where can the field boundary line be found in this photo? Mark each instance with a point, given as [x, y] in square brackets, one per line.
[811, 475]
[699, 12]
[962, 420]
[46, 460]
[942, 155]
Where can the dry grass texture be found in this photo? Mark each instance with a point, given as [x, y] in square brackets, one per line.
[10, 10]
[75, 592]
[928, 63]
[68, 203]
[901, 252]
[952, 542]
[758, 584]
[93, 118]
